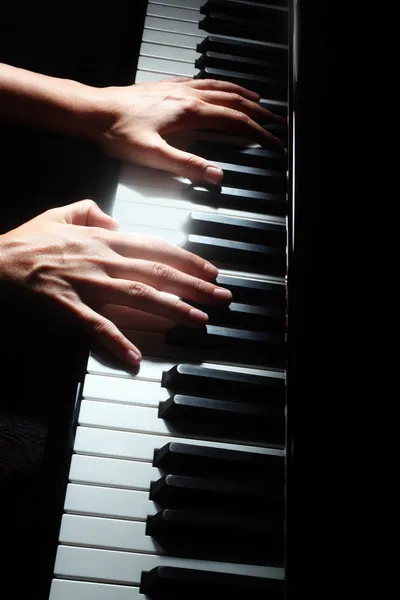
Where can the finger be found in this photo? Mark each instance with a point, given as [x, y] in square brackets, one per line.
[108, 335]
[222, 86]
[142, 297]
[152, 248]
[166, 279]
[232, 100]
[130, 318]
[222, 118]
[86, 213]
[185, 164]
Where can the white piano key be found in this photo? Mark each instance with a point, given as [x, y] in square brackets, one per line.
[175, 40]
[185, 27]
[151, 369]
[168, 52]
[177, 13]
[146, 393]
[62, 589]
[127, 567]
[112, 472]
[148, 76]
[166, 67]
[135, 204]
[109, 502]
[140, 446]
[117, 534]
[137, 419]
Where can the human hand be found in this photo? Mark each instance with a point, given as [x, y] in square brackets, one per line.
[142, 121]
[74, 256]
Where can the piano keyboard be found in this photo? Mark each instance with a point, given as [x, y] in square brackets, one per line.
[177, 469]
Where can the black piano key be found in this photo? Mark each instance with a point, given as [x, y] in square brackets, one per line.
[182, 584]
[235, 228]
[239, 27]
[234, 198]
[240, 63]
[217, 536]
[270, 52]
[265, 86]
[225, 419]
[205, 494]
[246, 316]
[190, 459]
[237, 344]
[269, 259]
[251, 178]
[246, 156]
[245, 9]
[253, 291]
[198, 379]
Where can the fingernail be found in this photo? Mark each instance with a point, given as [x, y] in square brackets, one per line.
[221, 294]
[213, 175]
[133, 357]
[199, 315]
[210, 272]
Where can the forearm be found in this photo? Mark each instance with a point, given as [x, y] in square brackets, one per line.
[49, 103]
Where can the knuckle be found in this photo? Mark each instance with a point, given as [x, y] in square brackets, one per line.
[201, 286]
[162, 271]
[138, 290]
[102, 327]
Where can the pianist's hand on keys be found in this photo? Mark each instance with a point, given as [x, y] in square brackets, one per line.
[142, 119]
[74, 256]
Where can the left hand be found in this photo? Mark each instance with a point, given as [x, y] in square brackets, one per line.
[142, 118]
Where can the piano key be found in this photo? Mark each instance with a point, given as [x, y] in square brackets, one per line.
[257, 50]
[171, 26]
[241, 28]
[62, 589]
[151, 368]
[253, 291]
[190, 459]
[245, 316]
[271, 203]
[247, 156]
[140, 446]
[175, 53]
[231, 62]
[166, 67]
[231, 254]
[235, 228]
[205, 494]
[111, 472]
[236, 344]
[186, 378]
[177, 13]
[224, 419]
[145, 393]
[188, 533]
[93, 500]
[265, 86]
[193, 4]
[138, 536]
[127, 567]
[169, 582]
[141, 419]
[262, 12]
[174, 40]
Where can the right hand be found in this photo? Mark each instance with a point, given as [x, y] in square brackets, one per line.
[74, 256]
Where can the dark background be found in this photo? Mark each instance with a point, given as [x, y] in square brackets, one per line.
[42, 358]
[342, 535]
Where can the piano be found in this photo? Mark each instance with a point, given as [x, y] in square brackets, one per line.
[176, 483]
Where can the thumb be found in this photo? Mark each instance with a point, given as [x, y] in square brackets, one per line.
[86, 213]
[187, 165]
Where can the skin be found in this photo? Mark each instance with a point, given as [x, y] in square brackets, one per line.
[74, 254]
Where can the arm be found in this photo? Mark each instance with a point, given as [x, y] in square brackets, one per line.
[150, 123]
